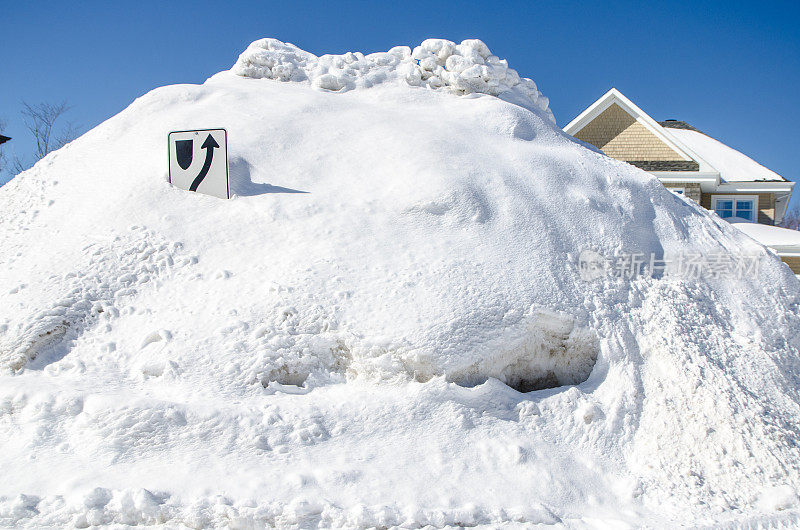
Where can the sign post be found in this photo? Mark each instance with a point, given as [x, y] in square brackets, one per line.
[198, 161]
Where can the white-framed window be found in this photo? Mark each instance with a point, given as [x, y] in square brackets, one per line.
[741, 207]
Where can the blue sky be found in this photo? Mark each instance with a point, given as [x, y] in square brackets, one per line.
[732, 69]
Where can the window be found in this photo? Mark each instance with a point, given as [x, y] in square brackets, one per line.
[740, 207]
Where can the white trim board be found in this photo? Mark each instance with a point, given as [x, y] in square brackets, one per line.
[708, 182]
[755, 187]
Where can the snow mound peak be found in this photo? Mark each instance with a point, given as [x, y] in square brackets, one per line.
[466, 68]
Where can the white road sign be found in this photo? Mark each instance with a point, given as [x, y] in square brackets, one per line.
[198, 161]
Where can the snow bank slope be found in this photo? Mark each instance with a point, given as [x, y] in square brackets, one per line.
[327, 348]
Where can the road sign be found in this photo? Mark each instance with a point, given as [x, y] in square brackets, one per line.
[198, 161]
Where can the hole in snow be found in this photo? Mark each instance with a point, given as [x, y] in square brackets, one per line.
[284, 376]
[552, 352]
[521, 384]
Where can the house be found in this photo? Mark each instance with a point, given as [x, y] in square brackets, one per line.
[4, 139]
[693, 164]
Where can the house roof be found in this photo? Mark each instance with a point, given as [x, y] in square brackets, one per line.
[614, 96]
[733, 165]
[4, 139]
[711, 155]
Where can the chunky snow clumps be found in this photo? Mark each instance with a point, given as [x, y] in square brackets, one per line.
[466, 68]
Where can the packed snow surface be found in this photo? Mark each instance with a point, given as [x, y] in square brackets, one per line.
[733, 165]
[387, 325]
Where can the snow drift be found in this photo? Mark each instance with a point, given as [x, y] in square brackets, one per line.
[345, 341]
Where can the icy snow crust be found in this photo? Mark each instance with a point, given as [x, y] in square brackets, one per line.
[328, 348]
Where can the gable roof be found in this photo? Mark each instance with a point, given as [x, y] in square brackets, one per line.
[712, 156]
[620, 135]
[4, 139]
[614, 96]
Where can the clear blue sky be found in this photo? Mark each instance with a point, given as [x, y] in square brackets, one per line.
[732, 69]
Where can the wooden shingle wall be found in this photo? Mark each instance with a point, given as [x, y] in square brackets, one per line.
[793, 263]
[620, 136]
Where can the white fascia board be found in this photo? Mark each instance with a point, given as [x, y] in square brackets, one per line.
[755, 187]
[708, 181]
[786, 251]
[590, 113]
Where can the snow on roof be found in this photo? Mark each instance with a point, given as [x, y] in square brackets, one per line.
[733, 166]
[770, 236]
[464, 68]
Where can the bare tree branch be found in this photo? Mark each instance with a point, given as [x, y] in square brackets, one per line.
[18, 165]
[68, 133]
[40, 119]
[791, 219]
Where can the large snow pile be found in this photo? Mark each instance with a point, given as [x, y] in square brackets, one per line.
[351, 339]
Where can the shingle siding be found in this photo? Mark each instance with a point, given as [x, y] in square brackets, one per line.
[666, 165]
[793, 263]
[620, 136]
[766, 208]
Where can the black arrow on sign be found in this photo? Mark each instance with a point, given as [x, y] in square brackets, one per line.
[209, 144]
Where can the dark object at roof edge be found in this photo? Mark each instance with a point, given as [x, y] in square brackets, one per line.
[676, 124]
